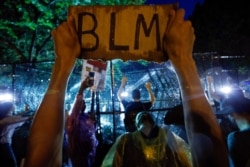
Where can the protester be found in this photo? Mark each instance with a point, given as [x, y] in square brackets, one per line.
[227, 125]
[204, 134]
[238, 107]
[80, 128]
[150, 146]
[135, 106]
[8, 125]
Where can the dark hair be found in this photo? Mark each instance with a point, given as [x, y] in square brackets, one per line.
[143, 116]
[136, 94]
[235, 105]
[174, 115]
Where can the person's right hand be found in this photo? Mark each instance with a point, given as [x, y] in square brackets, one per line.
[124, 80]
[67, 46]
[178, 38]
[88, 82]
[148, 85]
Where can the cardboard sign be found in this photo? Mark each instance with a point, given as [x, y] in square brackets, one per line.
[121, 32]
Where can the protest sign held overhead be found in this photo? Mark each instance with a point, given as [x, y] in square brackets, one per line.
[121, 32]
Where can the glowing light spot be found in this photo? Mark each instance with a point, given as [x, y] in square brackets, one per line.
[149, 152]
[124, 94]
[226, 89]
[6, 97]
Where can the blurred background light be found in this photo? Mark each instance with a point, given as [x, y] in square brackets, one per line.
[6, 97]
[124, 94]
[226, 89]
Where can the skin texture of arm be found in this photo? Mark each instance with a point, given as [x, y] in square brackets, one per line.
[46, 133]
[123, 83]
[204, 133]
[150, 92]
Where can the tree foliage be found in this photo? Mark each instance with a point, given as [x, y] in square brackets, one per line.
[220, 26]
[26, 24]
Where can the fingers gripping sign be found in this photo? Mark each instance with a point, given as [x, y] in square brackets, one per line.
[68, 40]
[177, 33]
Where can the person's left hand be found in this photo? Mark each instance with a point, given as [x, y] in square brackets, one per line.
[179, 39]
[67, 46]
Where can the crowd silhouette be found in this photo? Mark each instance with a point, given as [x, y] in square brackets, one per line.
[204, 143]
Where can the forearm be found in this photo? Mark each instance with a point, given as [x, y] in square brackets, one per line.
[195, 103]
[82, 88]
[193, 95]
[120, 90]
[203, 131]
[151, 95]
[52, 105]
[205, 138]
[46, 132]
[72, 118]
[14, 119]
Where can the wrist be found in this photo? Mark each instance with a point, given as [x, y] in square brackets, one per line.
[52, 91]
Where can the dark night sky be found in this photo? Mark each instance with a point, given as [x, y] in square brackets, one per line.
[188, 5]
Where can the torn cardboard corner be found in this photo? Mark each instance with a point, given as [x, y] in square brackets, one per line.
[121, 32]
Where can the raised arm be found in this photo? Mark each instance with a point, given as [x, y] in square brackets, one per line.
[211, 92]
[121, 88]
[78, 105]
[150, 92]
[46, 133]
[14, 119]
[204, 134]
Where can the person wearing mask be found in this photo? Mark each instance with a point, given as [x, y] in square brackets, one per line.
[150, 145]
[135, 106]
[8, 125]
[204, 134]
